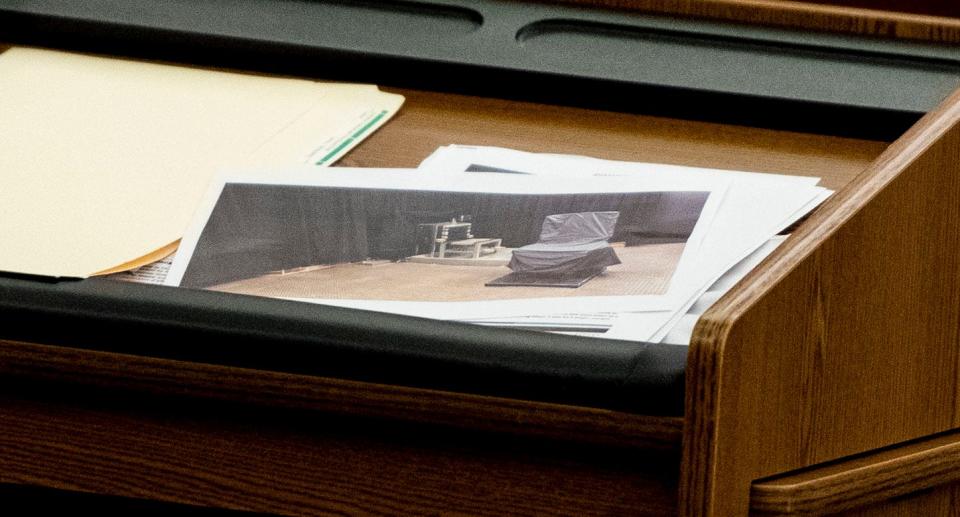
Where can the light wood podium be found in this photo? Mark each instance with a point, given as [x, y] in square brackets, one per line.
[826, 381]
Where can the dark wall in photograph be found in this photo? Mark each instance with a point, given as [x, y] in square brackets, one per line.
[255, 229]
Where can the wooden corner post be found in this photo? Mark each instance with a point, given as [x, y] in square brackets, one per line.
[843, 341]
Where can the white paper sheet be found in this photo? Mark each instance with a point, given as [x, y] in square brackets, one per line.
[471, 310]
[682, 331]
[756, 207]
[154, 273]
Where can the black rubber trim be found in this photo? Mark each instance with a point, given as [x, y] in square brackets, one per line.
[268, 334]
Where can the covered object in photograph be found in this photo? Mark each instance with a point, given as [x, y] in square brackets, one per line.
[572, 249]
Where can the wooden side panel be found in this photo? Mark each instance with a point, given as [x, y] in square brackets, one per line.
[845, 340]
[803, 15]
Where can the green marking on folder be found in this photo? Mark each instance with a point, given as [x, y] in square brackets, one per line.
[350, 139]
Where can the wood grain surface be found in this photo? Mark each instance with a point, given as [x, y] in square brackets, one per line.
[308, 464]
[906, 22]
[274, 389]
[941, 501]
[52, 501]
[429, 120]
[845, 340]
[861, 481]
[948, 8]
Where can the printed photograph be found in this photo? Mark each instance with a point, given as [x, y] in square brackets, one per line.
[416, 245]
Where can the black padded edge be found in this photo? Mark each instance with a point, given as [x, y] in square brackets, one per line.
[269, 334]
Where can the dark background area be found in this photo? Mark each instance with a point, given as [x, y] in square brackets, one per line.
[255, 229]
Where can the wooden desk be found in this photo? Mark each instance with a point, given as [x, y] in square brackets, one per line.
[844, 342]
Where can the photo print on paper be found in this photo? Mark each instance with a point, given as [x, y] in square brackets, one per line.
[314, 242]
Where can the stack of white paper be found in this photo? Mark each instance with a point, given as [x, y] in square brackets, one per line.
[755, 209]
[607, 249]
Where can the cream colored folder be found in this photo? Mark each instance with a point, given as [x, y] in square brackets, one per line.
[102, 161]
